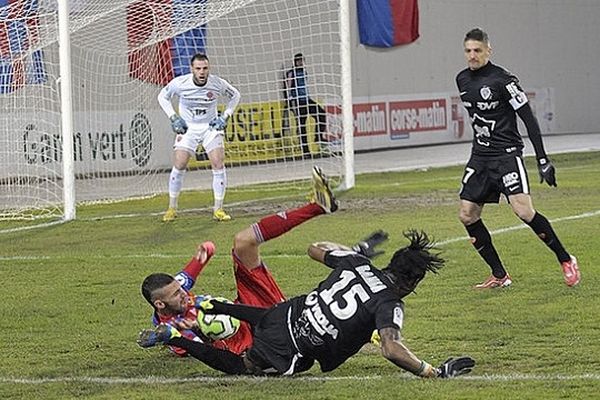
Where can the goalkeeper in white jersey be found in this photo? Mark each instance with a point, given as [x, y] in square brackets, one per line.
[197, 122]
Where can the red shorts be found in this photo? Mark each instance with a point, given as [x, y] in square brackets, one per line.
[255, 287]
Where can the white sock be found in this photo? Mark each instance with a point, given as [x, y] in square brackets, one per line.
[219, 186]
[175, 184]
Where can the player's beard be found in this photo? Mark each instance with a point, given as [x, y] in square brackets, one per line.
[176, 308]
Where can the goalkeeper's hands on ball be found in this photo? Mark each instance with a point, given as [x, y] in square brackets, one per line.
[367, 246]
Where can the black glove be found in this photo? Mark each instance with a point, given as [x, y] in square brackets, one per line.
[366, 247]
[455, 366]
[547, 171]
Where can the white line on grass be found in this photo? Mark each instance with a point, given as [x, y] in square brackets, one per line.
[210, 379]
[523, 226]
[31, 227]
[137, 215]
[441, 243]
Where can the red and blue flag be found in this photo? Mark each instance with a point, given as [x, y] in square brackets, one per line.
[387, 23]
[159, 62]
[20, 62]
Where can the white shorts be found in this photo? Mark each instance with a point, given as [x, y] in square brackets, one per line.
[209, 138]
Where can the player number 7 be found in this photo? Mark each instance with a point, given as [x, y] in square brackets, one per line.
[468, 173]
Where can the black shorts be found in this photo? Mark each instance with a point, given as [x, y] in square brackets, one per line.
[273, 345]
[484, 179]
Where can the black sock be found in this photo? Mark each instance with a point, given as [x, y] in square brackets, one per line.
[250, 314]
[541, 226]
[222, 360]
[482, 241]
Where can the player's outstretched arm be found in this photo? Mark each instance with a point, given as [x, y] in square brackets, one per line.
[317, 250]
[394, 350]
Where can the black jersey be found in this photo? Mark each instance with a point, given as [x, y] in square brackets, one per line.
[492, 95]
[336, 319]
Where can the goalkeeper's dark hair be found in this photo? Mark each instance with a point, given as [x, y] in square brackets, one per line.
[153, 283]
[477, 34]
[199, 57]
[409, 264]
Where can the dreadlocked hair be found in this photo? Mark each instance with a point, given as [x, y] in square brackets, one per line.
[409, 264]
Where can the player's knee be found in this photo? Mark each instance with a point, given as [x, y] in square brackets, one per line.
[524, 214]
[244, 240]
[467, 218]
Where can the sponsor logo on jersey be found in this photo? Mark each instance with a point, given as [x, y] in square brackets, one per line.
[487, 105]
[518, 97]
[398, 316]
[485, 92]
[510, 179]
[482, 128]
[317, 318]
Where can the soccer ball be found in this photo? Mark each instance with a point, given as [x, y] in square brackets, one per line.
[218, 326]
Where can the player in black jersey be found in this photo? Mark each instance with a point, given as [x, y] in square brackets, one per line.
[334, 321]
[493, 97]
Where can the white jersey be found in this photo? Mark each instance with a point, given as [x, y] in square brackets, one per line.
[198, 104]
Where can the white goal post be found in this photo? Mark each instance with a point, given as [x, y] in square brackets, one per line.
[83, 76]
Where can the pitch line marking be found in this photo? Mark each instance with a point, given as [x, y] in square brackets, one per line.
[211, 379]
[440, 243]
[523, 226]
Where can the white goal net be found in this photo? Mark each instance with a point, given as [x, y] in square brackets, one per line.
[122, 54]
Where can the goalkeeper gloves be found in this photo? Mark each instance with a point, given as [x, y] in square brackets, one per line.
[547, 171]
[178, 124]
[366, 247]
[202, 302]
[455, 366]
[218, 123]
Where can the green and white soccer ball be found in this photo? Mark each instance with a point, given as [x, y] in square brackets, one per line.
[218, 326]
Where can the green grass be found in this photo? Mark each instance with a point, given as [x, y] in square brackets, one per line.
[71, 306]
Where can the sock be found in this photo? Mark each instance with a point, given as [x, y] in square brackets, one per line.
[219, 185]
[222, 360]
[482, 241]
[175, 184]
[541, 226]
[277, 224]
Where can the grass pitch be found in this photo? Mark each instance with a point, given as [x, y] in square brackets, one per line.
[71, 305]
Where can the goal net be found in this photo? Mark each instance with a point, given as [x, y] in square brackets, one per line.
[122, 54]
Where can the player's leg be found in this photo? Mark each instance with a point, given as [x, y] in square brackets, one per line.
[181, 157]
[321, 120]
[216, 154]
[479, 187]
[470, 216]
[523, 208]
[255, 284]
[302, 132]
[247, 241]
